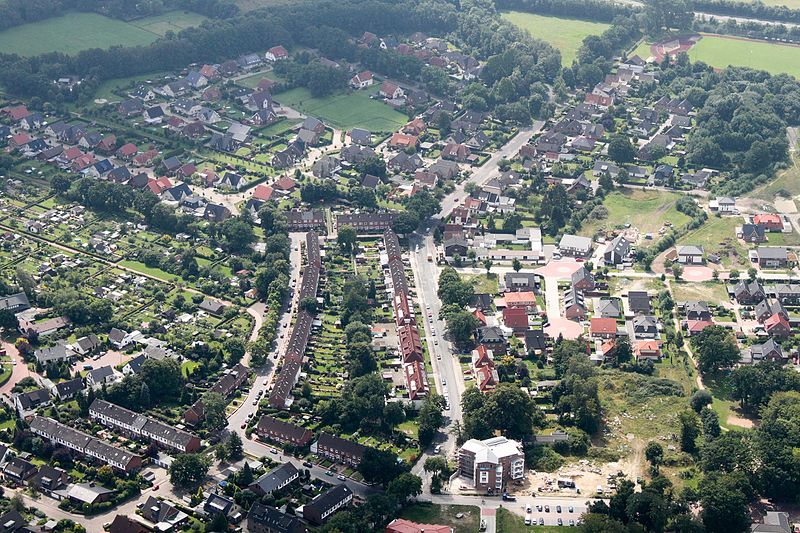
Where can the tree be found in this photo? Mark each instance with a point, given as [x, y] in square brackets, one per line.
[507, 409]
[214, 411]
[144, 396]
[715, 348]
[677, 271]
[405, 223]
[379, 466]
[404, 486]
[700, 399]
[487, 264]
[436, 465]
[690, 430]
[430, 418]
[188, 469]
[710, 420]
[60, 184]
[461, 326]
[654, 453]
[346, 238]
[308, 304]
[234, 350]
[234, 446]
[516, 265]
[732, 451]
[8, 320]
[620, 149]
[219, 522]
[724, 499]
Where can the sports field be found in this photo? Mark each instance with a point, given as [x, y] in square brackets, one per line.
[724, 51]
[73, 32]
[345, 110]
[564, 34]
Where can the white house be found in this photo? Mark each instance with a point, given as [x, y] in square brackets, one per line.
[362, 80]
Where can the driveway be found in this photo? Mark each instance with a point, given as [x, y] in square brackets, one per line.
[18, 371]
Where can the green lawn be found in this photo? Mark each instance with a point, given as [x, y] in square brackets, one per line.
[642, 50]
[445, 515]
[345, 110]
[787, 184]
[563, 33]
[484, 284]
[646, 210]
[107, 88]
[722, 52]
[73, 32]
[253, 81]
[144, 269]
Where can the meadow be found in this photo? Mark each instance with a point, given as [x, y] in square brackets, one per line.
[646, 210]
[74, 32]
[345, 110]
[563, 33]
[721, 52]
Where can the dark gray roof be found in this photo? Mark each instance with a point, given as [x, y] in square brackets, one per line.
[275, 478]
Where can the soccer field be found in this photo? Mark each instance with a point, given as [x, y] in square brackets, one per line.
[345, 110]
[73, 32]
[724, 51]
[564, 34]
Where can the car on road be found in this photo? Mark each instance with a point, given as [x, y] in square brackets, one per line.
[340, 477]
[255, 402]
[156, 487]
[541, 521]
[438, 449]
[571, 522]
[329, 473]
[509, 498]
[539, 508]
[308, 464]
[546, 508]
[436, 342]
[273, 450]
[528, 508]
[560, 522]
[438, 357]
[444, 382]
[558, 508]
[571, 509]
[244, 425]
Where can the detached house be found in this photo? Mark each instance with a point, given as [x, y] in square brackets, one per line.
[362, 80]
[390, 90]
[276, 53]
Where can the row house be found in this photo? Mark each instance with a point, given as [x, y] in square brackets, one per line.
[338, 449]
[73, 439]
[282, 432]
[139, 425]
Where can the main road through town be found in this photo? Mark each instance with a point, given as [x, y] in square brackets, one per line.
[447, 374]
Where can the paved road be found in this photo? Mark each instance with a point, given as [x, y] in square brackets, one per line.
[490, 168]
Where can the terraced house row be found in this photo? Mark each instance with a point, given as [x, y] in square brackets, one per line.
[71, 438]
[138, 425]
[293, 358]
[410, 343]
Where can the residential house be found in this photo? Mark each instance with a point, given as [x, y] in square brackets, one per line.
[639, 302]
[575, 246]
[48, 479]
[274, 429]
[163, 514]
[362, 80]
[768, 307]
[752, 233]
[723, 204]
[770, 256]
[402, 141]
[277, 53]
[456, 152]
[608, 308]
[618, 251]
[66, 390]
[307, 220]
[265, 519]
[15, 303]
[770, 221]
[768, 351]
[54, 354]
[104, 375]
[361, 136]
[690, 255]
[492, 338]
[583, 280]
[338, 449]
[216, 213]
[650, 349]
[326, 166]
[774, 522]
[786, 294]
[603, 328]
[574, 304]
[777, 326]
[18, 471]
[748, 292]
[217, 504]
[275, 480]
[26, 403]
[318, 510]
[697, 311]
[366, 223]
[521, 281]
[232, 180]
[390, 90]
[645, 327]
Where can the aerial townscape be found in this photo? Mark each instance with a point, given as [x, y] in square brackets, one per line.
[401, 266]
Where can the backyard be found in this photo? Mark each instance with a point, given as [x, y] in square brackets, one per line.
[446, 515]
[345, 110]
[718, 235]
[565, 34]
[72, 32]
[719, 51]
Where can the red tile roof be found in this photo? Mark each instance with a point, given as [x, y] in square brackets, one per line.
[263, 192]
[603, 326]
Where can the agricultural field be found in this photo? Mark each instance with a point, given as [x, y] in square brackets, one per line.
[647, 211]
[73, 32]
[721, 52]
[345, 110]
[563, 33]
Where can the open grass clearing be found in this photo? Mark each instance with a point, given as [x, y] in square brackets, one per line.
[563, 33]
[428, 513]
[72, 32]
[710, 291]
[485, 283]
[786, 184]
[721, 52]
[345, 110]
[718, 235]
[647, 210]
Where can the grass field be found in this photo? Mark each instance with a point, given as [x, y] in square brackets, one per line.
[722, 52]
[73, 32]
[642, 50]
[791, 4]
[718, 235]
[788, 181]
[645, 210]
[346, 110]
[565, 34]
